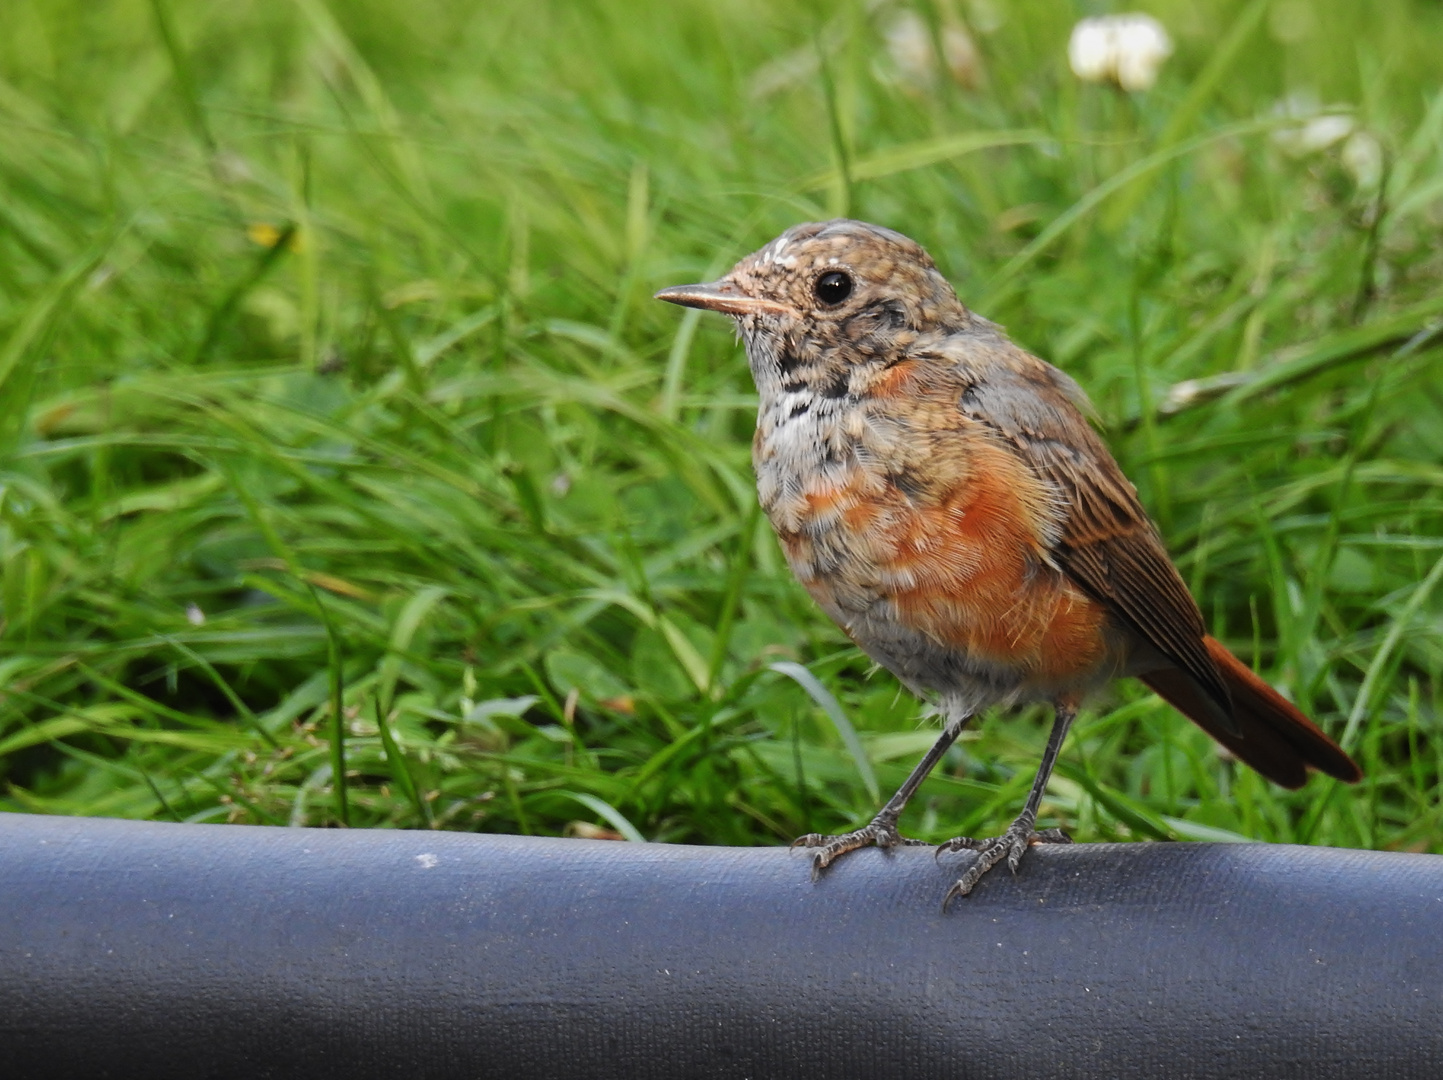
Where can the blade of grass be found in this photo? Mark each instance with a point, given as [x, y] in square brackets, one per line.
[338, 708]
[614, 817]
[400, 771]
[833, 708]
[224, 687]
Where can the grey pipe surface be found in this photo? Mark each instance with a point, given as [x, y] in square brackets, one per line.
[132, 949]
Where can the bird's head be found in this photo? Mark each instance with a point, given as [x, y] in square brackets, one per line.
[828, 293]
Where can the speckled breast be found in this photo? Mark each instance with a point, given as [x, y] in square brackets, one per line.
[924, 539]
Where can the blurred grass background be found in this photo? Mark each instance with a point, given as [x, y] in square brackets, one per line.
[330, 388]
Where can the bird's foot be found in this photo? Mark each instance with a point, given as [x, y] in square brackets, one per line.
[882, 832]
[990, 851]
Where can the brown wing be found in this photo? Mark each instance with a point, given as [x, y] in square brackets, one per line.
[1108, 544]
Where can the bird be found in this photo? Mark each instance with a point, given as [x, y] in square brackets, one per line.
[944, 497]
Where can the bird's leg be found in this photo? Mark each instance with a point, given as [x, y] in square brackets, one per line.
[883, 830]
[1020, 834]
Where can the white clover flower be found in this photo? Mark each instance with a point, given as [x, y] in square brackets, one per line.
[1314, 135]
[910, 46]
[1312, 132]
[1125, 49]
[963, 62]
[909, 43]
[1322, 132]
[1090, 50]
[1142, 46]
[1363, 158]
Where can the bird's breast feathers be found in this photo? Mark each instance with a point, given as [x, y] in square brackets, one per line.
[903, 517]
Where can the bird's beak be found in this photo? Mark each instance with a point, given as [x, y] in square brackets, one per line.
[722, 296]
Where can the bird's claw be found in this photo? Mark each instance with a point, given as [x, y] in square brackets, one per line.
[990, 851]
[880, 833]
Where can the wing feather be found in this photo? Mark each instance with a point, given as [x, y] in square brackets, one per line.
[1107, 544]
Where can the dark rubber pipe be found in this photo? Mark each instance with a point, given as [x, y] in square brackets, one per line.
[134, 949]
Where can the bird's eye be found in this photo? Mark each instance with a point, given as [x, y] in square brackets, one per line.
[834, 287]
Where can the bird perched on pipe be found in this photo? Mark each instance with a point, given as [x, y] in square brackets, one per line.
[943, 497]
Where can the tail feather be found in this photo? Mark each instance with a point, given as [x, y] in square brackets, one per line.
[1272, 736]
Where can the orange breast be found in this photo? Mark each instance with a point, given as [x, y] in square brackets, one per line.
[962, 560]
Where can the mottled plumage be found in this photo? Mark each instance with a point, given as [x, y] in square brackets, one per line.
[942, 496]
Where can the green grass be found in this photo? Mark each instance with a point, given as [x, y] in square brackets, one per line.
[330, 383]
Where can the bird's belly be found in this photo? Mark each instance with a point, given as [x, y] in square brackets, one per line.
[947, 584]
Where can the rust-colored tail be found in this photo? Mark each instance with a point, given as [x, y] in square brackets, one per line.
[1274, 737]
